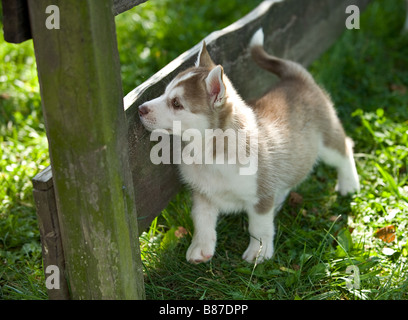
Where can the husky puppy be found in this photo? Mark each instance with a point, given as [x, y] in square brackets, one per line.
[287, 131]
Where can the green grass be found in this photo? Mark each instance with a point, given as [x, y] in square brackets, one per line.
[366, 72]
[23, 153]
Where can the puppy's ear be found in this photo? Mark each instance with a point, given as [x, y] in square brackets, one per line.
[204, 59]
[216, 87]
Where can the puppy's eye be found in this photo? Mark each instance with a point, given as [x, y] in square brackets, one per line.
[176, 104]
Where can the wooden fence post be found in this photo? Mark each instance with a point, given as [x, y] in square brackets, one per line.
[81, 90]
[52, 251]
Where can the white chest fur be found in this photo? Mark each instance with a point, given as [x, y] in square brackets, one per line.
[222, 184]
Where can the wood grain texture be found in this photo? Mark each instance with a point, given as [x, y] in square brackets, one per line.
[79, 75]
[120, 6]
[52, 250]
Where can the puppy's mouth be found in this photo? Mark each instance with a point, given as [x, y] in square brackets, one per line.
[150, 126]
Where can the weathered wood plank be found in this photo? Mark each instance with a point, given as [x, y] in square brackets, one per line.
[154, 185]
[16, 24]
[79, 74]
[43, 180]
[47, 215]
[120, 6]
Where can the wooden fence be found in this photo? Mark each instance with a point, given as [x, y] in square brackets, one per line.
[102, 188]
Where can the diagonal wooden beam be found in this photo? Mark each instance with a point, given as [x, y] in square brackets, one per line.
[120, 6]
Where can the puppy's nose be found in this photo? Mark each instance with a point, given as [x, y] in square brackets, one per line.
[143, 110]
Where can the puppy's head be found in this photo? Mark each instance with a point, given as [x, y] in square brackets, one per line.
[191, 98]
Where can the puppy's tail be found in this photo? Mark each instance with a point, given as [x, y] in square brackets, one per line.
[284, 69]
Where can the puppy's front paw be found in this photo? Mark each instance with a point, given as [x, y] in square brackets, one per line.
[347, 186]
[258, 251]
[200, 251]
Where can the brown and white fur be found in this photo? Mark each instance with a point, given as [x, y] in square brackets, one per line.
[295, 125]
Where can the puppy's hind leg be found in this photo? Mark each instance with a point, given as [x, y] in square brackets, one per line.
[348, 181]
[262, 229]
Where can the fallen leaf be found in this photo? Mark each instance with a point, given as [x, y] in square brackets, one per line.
[386, 234]
[4, 96]
[295, 199]
[398, 88]
[180, 232]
